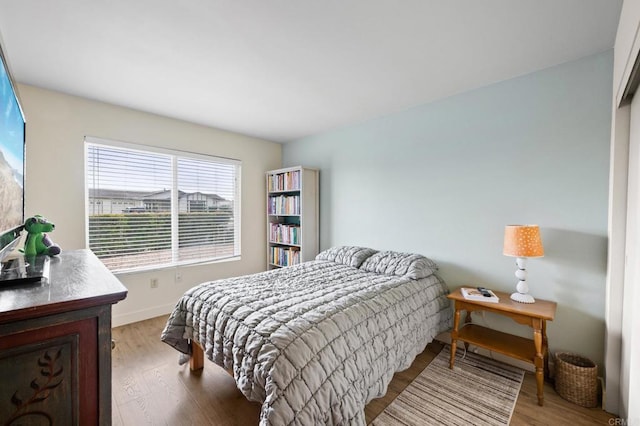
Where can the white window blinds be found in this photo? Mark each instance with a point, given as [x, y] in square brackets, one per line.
[158, 208]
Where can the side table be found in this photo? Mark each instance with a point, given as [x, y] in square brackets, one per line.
[534, 315]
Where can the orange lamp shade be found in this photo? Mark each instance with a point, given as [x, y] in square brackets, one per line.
[522, 241]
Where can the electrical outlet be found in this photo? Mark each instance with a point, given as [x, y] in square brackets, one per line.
[178, 276]
[154, 283]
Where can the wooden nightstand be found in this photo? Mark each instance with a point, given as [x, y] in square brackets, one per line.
[535, 315]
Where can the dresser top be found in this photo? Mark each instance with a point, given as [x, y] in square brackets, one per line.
[78, 280]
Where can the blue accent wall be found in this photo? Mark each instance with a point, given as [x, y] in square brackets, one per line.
[444, 178]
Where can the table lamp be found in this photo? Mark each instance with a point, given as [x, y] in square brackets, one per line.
[522, 242]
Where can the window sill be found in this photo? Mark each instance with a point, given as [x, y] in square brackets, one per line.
[176, 265]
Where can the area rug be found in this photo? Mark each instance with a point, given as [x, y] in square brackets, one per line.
[478, 391]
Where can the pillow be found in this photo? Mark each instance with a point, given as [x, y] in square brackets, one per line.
[413, 266]
[347, 255]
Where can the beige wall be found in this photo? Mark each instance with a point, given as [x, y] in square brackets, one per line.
[56, 127]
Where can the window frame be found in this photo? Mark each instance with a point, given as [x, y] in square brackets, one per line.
[174, 155]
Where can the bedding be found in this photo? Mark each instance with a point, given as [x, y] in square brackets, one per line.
[348, 255]
[403, 264]
[315, 342]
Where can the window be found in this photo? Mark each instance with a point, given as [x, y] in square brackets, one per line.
[166, 208]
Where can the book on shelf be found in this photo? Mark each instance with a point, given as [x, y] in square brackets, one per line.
[284, 256]
[284, 205]
[284, 233]
[475, 294]
[287, 181]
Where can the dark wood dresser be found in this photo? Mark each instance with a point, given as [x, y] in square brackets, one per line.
[55, 345]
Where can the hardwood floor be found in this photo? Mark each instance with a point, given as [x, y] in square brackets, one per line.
[149, 387]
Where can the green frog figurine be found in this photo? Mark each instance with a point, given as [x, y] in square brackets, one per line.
[38, 242]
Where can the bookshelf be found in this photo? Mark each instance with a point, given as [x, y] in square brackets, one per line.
[292, 216]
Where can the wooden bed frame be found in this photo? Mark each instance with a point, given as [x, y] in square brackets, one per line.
[196, 362]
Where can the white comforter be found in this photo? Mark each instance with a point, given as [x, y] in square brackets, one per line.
[314, 343]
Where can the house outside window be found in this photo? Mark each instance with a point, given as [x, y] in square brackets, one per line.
[149, 208]
[197, 205]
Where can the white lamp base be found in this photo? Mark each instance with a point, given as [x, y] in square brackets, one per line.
[522, 295]
[523, 298]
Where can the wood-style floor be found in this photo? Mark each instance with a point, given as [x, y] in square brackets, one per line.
[149, 387]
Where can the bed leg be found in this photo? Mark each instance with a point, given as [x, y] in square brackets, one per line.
[196, 362]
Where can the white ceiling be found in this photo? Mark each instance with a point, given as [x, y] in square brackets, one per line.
[282, 70]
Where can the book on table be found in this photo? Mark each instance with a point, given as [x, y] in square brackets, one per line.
[476, 295]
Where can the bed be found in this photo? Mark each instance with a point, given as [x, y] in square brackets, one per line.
[315, 342]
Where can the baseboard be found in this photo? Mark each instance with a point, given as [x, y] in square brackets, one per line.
[141, 315]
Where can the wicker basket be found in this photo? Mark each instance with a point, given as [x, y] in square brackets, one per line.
[577, 379]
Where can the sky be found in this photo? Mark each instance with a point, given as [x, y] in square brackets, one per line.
[11, 124]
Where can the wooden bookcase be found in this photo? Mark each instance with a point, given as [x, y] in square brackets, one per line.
[292, 216]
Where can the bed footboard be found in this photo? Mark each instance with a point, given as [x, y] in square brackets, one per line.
[196, 362]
